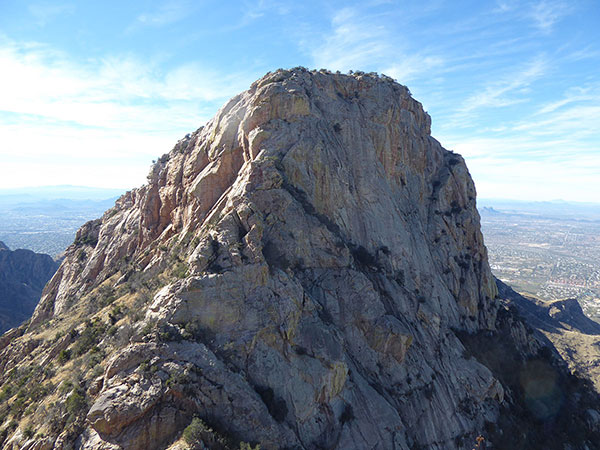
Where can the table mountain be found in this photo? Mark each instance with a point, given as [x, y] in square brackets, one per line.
[306, 271]
[23, 275]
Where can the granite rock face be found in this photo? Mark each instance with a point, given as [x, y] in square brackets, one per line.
[320, 260]
[23, 275]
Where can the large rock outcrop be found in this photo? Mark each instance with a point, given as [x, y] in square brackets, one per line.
[305, 271]
[23, 275]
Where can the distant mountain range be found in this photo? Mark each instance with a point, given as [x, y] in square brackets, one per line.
[556, 208]
[62, 192]
[23, 275]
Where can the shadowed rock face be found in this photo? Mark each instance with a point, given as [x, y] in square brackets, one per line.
[319, 253]
[23, 275]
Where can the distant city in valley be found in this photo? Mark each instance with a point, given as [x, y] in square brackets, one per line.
[547, 249]
[45, 219]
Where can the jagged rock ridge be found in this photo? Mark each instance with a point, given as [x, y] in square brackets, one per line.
[23, 275]
[297, 273]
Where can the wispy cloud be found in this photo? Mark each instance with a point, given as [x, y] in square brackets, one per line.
[579, 95]
[167, 13]
[549, 153]
[514, 165]
[357, 41]
[113, 92]
[254, 10]
[586, 53]
[578, 121]
[259, 8]
[45, 12]
[411, 66]
[508, 90]
[105, 109]
[546, 13]
[543, 14]
[353, 43]
[503, 6]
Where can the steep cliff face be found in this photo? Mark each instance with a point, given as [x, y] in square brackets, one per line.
[297, 273]
[23, 275]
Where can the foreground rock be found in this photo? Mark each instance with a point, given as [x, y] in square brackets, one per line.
[305, 271]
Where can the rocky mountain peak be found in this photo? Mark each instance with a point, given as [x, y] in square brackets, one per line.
[353, 150]
[298, 273]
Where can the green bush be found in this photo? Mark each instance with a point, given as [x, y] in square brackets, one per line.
[169, 333]
[115, 314]
[247, 446]
[194, 431]
[90, 337]
[76, 404]
[64, 356]
[28, 432]
[65, 386]
[178, 379]
[6, 392]
[180, 270]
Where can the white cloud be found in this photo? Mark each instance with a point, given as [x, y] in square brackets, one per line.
[522, 164]
[353, 43]
[167, 13]
[529, 169]
[106, 174]
[503, 6]
[258, 8]
[545, 14]
[508, 89]
[118, 111]
[576, 122]
[115, 92]
[358, 42]
[412, 66]
[536, 180]
[44, 12]
[577, 94]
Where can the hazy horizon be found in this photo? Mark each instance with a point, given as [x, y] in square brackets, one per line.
[117, 190]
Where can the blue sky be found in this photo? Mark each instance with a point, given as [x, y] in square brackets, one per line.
[91, 92]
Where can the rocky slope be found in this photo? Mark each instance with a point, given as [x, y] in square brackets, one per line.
[563, 322]
[306, 271]
[23, 275]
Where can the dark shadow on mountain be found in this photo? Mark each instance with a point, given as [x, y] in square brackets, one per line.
[550, 316]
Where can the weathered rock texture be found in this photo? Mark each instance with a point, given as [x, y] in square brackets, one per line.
[23, 275]
[319, 260]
